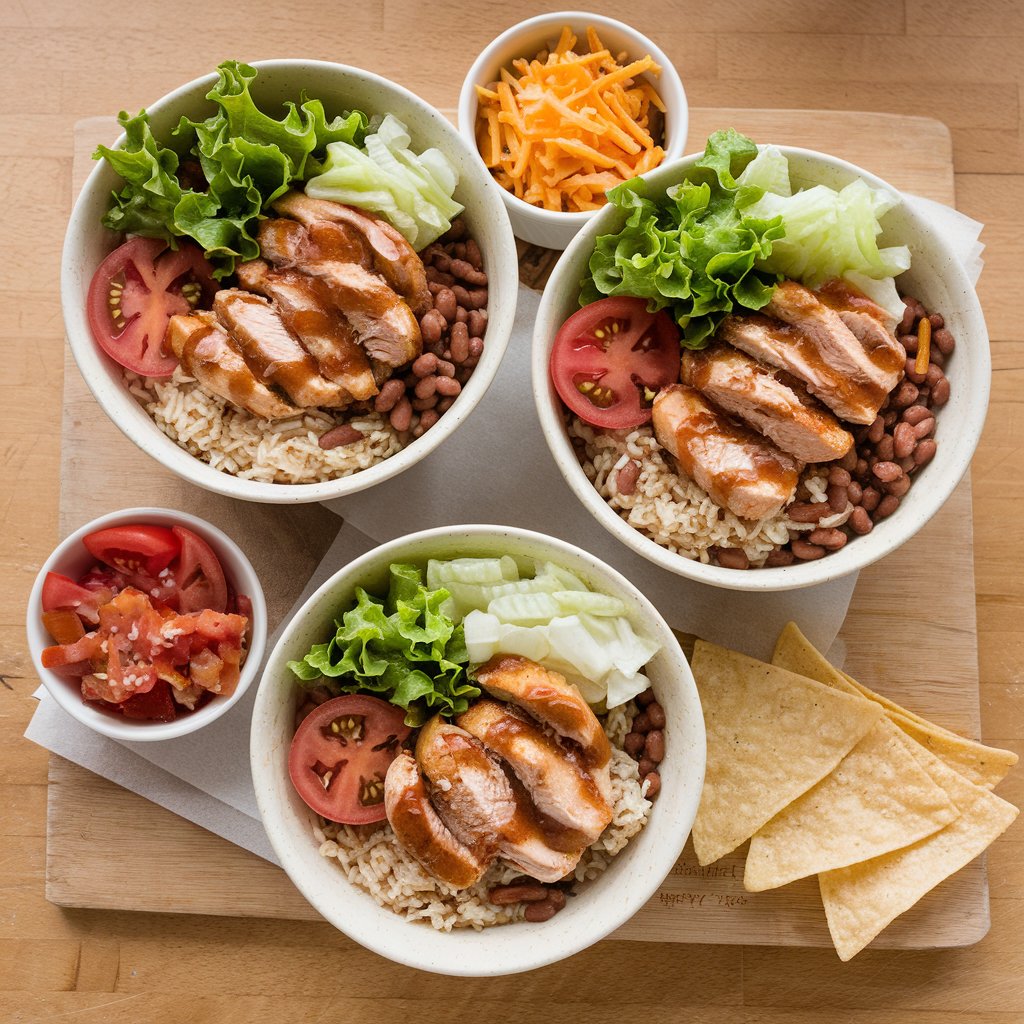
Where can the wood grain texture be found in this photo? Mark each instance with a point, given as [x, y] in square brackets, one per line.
[694, 904]
[960, 62]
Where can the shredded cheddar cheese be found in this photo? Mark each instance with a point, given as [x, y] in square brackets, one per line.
[566, 127]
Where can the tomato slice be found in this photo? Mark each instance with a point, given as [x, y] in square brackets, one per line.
[198, 574]
[63, 594]
[134, 548]
[133, 294]
[610, 358]
[340, 754]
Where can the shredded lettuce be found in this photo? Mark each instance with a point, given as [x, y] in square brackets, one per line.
[248, 159]
[695, 249]
[414, 192]
[401, 648]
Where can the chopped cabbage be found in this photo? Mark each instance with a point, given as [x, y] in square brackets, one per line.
[553, 618]
[413, 192]
[828, 233]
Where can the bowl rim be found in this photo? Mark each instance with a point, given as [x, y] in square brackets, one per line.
[419, 955]
[109, 392]
[129, 729]
[467, 107]
[801, 574]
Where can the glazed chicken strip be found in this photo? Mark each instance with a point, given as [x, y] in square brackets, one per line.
[309, 315]
[469, 790]
[555, 777]
[814, 344]
[210, 355]
[741, 470]
[382, 320]
[421, 832]
[392, 255]
[872, 325]
[272, 352]
[475, 799]
[749, 390]
[550, 699]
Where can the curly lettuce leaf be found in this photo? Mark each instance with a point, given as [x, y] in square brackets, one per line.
[694, 250]
[248, 159]
[400, 648]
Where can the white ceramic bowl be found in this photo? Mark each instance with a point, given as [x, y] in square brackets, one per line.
[602, 905]
[554, 229]
[340, 87]
[936, 278]
[70, 558]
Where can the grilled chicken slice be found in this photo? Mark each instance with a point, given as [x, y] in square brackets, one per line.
[210, 355]
[421, 832]
[271, 351]
[873, 326]
[741, 470]
[814, 344]
[477, 800]
[750, 391]
[550, 699]
[470, 791]
[309, 315]
[391, 254]
[383, 321]
[558, 783]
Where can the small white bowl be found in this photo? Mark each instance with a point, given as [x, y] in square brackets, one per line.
[554, 229]
[936, 278]
[602, 905]
[70, 558]
[340, 87]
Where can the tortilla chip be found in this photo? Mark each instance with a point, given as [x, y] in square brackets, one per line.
[983, 765]
[771, 736]
[862, 899]
[877, 800]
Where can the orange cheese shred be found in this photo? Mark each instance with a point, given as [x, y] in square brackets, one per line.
[561, 129]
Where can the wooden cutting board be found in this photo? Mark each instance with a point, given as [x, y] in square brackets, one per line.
[910, 633]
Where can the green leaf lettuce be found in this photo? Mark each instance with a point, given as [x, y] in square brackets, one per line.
[400, 648]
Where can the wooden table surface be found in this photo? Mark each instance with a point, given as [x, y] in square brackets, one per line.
[955, 60]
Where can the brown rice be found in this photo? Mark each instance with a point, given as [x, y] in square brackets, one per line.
[672, 510]
[271, 451]
[372, 858]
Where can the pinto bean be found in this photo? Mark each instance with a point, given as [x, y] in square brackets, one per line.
[401, 415]
[860, 521]
[855, 492]
[474, 255]
[887, 471]
[645, 698]
[538, 913]
[425, 365]
[627, 476]
[937, 321]
[476, 348]
[634, 742]
[447, 386]
[915, 414]
[779, 557]
[839, 477]
[923, 428]
[837, 498]
[465, 271]
[654, 748]
[506, 895]
[426, 386]
[905, 395]
[653, 780]
[877, 430]
[459, 345]
[911, 372]
[925, 452]
[732, 558]
[884, 450]
[445, 304]
[432, 326]
[477, 322]
[642, 723]
[428, 418]
[806, 551]
[899, 486]
[870, 499]
[829, 538]
[940, 392]
[390, 393]
[423, 404]
[887, 506]
[340, 435]
[944, 341]
[849, 460]
[808, 512]
[903, 440]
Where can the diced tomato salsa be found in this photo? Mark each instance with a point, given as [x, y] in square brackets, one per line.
[152, 653]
